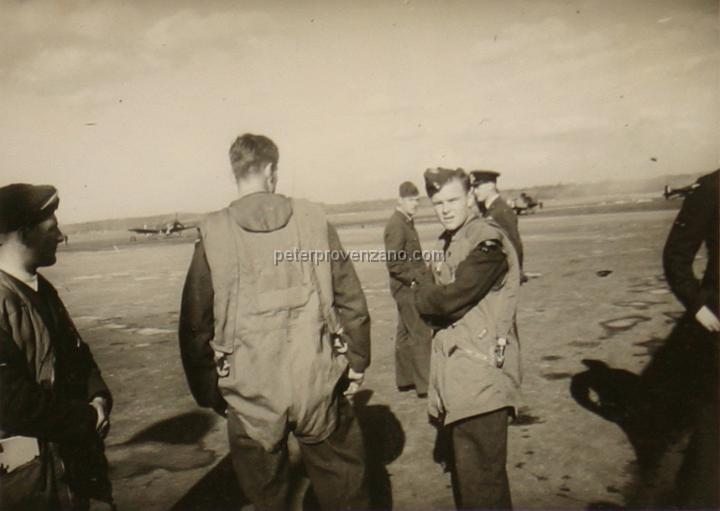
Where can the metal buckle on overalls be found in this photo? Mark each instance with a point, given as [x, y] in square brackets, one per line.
[500, 351]
[222, 364]
[338, 344]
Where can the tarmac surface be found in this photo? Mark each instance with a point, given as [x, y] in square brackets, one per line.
[595, 312]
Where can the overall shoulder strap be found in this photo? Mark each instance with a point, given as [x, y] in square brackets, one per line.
[312, 227]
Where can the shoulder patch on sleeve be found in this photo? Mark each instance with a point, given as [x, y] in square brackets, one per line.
[490, 245]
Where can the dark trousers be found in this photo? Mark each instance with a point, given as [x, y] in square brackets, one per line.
[698, 482]
[479, 476]
[335, 466]
[412, 345]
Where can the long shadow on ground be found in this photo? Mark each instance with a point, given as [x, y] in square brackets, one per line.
[172, 444]
[384, 442]
[654, 408]
[188, 428]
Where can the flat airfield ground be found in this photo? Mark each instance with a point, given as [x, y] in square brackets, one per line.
[164, 449]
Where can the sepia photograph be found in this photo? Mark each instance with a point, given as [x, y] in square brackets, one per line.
[353, 255]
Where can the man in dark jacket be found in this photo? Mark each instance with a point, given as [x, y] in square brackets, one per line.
[272, 316]
[405, 264]
[53, 401]
[493, 205]
[697, 223]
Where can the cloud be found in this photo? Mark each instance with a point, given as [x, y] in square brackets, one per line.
[369, 94]
[59, 49]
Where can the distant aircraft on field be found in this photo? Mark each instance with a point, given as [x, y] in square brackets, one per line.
[525, 205]
[670, 193]
[167, 229]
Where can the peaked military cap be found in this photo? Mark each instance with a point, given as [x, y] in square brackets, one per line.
[436, 178]
[23, 205]
[483, 176]
[408, 189]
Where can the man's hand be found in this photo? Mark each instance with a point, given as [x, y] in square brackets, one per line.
[222, 364]
[103, 422]
[707, 319]
[356, 380]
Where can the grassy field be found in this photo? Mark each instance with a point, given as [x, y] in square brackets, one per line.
[125, 299]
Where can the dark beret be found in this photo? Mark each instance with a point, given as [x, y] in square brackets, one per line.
[483, 176]
[23, 205]
[408, 189]
[436, 178]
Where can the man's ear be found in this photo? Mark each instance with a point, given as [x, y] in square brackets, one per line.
[23, 233]
[270, 175]
[470, 198]
[8, 237]
[267, 170]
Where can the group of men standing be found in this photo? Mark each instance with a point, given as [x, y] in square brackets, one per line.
[277, 349]
[407, 262]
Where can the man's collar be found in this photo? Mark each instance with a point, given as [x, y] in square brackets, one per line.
[489, 202]
[30, 280]
[407, 217]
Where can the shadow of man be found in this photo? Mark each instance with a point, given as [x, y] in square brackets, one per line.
[172, 444]
[187, 428]
[658, 406]
[384, 439]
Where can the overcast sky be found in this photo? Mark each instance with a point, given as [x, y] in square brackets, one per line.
[129, 108]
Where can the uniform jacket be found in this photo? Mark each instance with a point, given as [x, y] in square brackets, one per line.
[272, 320]
[47, 379]
[404, 257]
[464, 379]
[501, 212]
[696, 223]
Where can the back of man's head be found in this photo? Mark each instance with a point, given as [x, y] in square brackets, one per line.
[251, 154]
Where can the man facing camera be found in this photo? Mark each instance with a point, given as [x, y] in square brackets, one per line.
[54, 404]
[475, 364]
[406, 266]
[267, 340]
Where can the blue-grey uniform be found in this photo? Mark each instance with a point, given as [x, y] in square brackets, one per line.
[500, 211]
[412, 341]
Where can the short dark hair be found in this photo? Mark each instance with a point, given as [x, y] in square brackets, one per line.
[251, 153]
[408, 189]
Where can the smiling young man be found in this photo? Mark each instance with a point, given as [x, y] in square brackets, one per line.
[53, 400]
[475, 362]
[406, 266]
